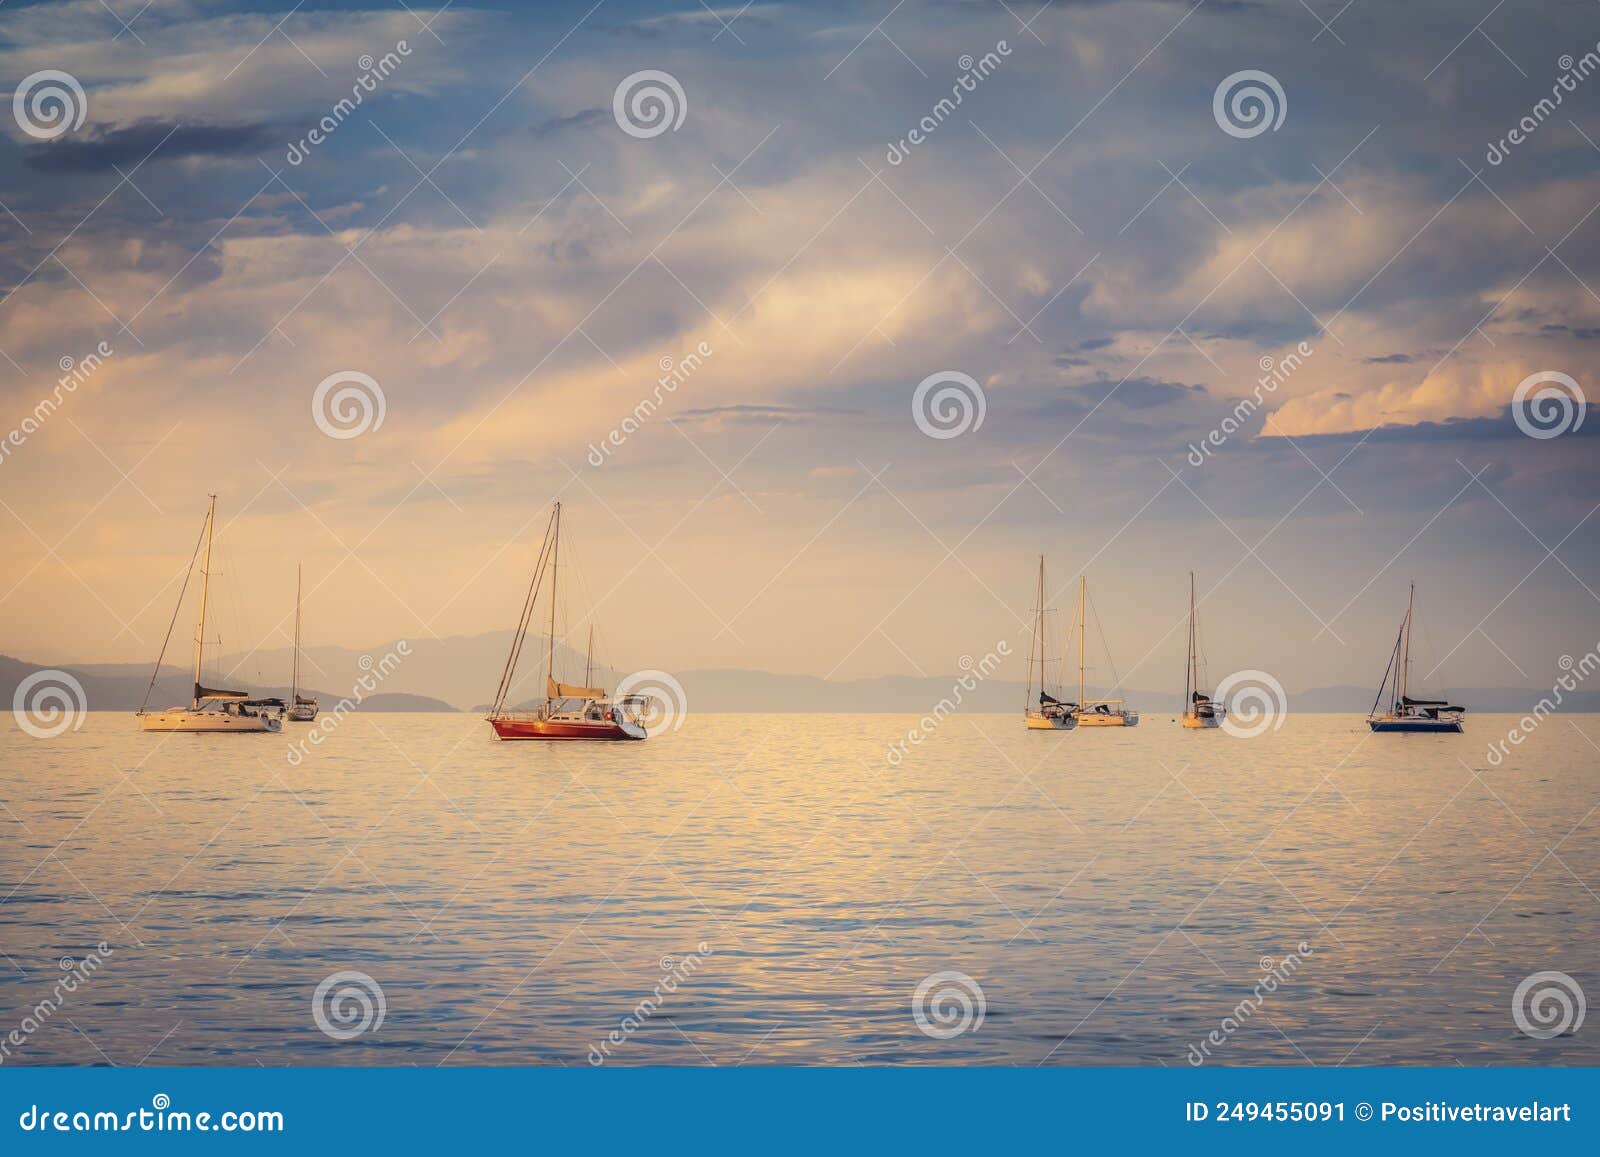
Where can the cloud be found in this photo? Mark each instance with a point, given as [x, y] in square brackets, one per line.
[1138, 393]
[583, 119]
[1580, 333]
[156, 140]
[507, 342]
[764, 415]
[1499, 428]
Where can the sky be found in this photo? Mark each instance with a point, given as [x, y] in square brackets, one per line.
[918, 341]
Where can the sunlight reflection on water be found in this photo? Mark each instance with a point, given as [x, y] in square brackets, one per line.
[1111, 895]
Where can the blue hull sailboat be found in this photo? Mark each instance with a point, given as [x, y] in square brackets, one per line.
[1406, 713]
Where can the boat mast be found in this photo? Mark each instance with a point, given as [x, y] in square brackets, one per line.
[1405, 658]
[1083, 588]
[205, 584]
[550, 655]
[1038, 644]
[294, 686]
[1191, 675]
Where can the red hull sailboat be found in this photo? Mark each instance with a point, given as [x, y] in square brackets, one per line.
[558, 728]
[569, 711]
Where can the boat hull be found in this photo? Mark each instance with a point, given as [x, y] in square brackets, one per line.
[1038, 722]
[300, 713]
[566, 729]
[1111, 719]
[182, 719]
[1452, 726]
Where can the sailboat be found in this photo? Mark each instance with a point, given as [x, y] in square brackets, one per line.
[1050, 714]
[302, 708]
[1198, 709]
[209, 709]
[1406, 713]
[1097, 712]
[569, 711]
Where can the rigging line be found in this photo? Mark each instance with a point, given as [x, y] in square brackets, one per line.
[174, 621]
[1393, 658]
[1100, 629]
[1421, 627]
[508, 675]
[578, 576]
[519, 637]
[238, 606]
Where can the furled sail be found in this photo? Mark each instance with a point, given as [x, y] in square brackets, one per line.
[212, 693]
[554, 690]
[1410, 702]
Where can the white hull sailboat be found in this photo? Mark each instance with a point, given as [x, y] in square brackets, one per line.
[1096, 712]
[1406, 713]
[210, 710]
[1050, 713]
[226, 718]
[302, 708]
[1199, 712]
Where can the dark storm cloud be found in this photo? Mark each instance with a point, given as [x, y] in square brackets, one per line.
[1581, 333]
[1499, 428]
[157, 140]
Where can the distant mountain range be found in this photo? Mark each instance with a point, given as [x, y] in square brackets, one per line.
[114, 691]
[461, 673]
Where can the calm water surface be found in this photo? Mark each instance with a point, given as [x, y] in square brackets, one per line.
[1112, 894]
